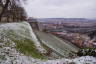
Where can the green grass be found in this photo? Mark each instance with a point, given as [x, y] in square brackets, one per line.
[2, 57]
[28, 48]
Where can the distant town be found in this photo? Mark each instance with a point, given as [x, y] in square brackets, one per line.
[80, 32]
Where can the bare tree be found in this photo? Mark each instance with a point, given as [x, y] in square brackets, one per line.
[13, 7]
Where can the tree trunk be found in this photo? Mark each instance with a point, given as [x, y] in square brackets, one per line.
[4, 8]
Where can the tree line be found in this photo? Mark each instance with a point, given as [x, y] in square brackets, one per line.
[87, 52]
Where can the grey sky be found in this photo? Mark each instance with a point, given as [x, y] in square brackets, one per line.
[61, 8]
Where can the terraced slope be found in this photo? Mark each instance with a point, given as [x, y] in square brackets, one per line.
[56, 44]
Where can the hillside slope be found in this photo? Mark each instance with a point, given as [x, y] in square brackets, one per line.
[19, 45]
[60, 47]
[18, 40]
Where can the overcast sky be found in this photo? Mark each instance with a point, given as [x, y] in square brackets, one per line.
[61, 8]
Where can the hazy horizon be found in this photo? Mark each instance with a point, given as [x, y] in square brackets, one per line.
[61, 8]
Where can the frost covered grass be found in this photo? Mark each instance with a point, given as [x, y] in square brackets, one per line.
[2, 57]
[26, 47]
[19, 33]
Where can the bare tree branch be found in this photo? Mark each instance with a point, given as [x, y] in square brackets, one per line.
[14, 7]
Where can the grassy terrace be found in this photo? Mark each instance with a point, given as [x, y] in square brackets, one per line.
[61, 47]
